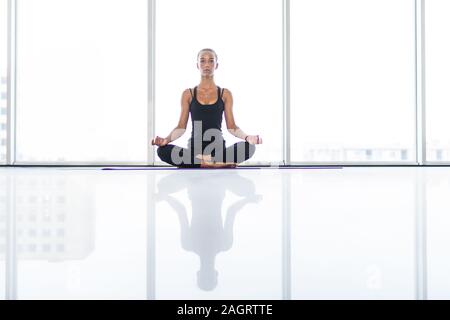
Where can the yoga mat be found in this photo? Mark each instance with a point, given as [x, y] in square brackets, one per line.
[171, 168]
[238, 168]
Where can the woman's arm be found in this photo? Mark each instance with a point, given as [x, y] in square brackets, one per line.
[180, 129]
[231, 124]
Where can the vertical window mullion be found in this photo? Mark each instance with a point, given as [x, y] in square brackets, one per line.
[11, 84]
[151, 81]
[286, 84]
[420, 82]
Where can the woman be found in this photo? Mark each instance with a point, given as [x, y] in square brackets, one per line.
[206, 103]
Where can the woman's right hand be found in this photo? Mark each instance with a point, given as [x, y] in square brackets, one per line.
[158, 141]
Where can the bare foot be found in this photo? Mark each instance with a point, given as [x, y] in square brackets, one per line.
[217, 165]
[204, 157]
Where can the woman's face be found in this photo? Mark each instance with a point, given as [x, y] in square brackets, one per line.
[207, 63]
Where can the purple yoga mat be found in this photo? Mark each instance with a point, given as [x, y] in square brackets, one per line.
[238, 168]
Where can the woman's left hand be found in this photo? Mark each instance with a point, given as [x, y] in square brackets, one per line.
[254, 139]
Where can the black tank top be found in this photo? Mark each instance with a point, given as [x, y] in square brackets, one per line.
[210, 115]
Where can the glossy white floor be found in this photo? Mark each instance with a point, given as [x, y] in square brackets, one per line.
[351, 233]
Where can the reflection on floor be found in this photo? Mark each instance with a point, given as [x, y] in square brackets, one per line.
[339, 233]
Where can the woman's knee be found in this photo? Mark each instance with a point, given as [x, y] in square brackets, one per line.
[162, 151]
[159, 151]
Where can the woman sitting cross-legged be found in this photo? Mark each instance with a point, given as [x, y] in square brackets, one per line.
[206, 103]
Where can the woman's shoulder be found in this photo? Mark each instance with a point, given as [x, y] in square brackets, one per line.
[188, 91]
[226, 93]
[186, 96]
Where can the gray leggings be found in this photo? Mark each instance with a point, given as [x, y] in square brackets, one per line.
[185, 157]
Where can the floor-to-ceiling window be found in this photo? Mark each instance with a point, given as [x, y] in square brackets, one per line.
[352, 80]
[81, 81]
[3, 78]
[437, 79]
[247, 37]
[81, 70]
